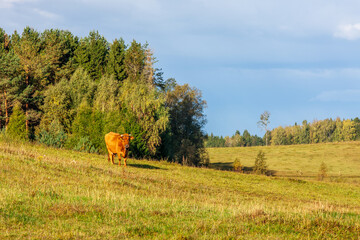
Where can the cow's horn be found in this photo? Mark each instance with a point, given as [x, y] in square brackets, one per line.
[129, 134]
[121, 135]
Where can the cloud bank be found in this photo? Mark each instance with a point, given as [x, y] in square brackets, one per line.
[350, 95]
[348, 31]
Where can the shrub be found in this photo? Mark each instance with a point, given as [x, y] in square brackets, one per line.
[55, 136]
[16, 128]
[238, 167]
[260, 164]
[85, 145]
[322, 171]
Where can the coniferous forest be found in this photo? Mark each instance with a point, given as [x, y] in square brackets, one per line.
[68, 92]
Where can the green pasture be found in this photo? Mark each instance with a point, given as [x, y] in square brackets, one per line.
[342, 159]
[47, 193]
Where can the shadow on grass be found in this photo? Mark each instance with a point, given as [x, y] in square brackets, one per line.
[228, 166]
[145, 166]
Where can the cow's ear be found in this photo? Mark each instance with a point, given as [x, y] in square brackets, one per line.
[131, 138]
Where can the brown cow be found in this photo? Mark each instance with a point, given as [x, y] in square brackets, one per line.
[119, 144]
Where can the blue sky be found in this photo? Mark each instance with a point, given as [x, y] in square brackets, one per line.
[299, 60]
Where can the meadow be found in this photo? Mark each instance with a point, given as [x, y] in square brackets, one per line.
[48, 193]
[301, 161]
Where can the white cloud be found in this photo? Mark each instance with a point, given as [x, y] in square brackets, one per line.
[351, 95]
[348, 31]
[45, 14]
[11, 3]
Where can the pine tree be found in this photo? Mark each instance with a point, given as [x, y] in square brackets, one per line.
[92, 54]
[260, 163]
[9, 75]
[135, 58]
[28, 49]
[115, 63]
[17, 124]
[57, 55]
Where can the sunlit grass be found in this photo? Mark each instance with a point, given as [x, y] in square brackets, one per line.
[342, 159]
[47, 193]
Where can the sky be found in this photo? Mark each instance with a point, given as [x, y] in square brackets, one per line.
[298, 60]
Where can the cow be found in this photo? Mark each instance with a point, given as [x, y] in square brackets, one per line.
[118, 144]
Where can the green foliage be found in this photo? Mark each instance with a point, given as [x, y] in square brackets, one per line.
[54, 136]
[247, 138]
[84, 144]
[9, 76]
[91, 54]
[106, 97]
[278, 136]
[214, 141]
[82, 88]
[76, 91]
[17, 128]
[29, 49]
[348, 130]
[57, 55]
[185, 141]
[260, 166]
[143, 106]
[237, 140]
[87, 130]
[138, 146]
[115, 63]
[134, 60]
[58, 106]
[319, 131]
[327, 130]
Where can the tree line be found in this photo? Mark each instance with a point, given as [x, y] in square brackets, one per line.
[236, 140]
[318, 131]
[65, 91]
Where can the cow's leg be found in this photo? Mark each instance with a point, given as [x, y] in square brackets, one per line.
[119, 156]
[125, 158]
[112, 158]
[110, 155]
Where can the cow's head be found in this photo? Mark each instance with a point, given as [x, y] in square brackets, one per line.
[125, 140]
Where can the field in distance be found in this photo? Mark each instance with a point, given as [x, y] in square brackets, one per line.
[48, 193]
[342, 159]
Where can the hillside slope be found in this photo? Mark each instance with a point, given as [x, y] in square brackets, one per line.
[342, 159]
[48, 193]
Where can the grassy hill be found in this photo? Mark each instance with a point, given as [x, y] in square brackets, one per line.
[302, 161]
[47, 193]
